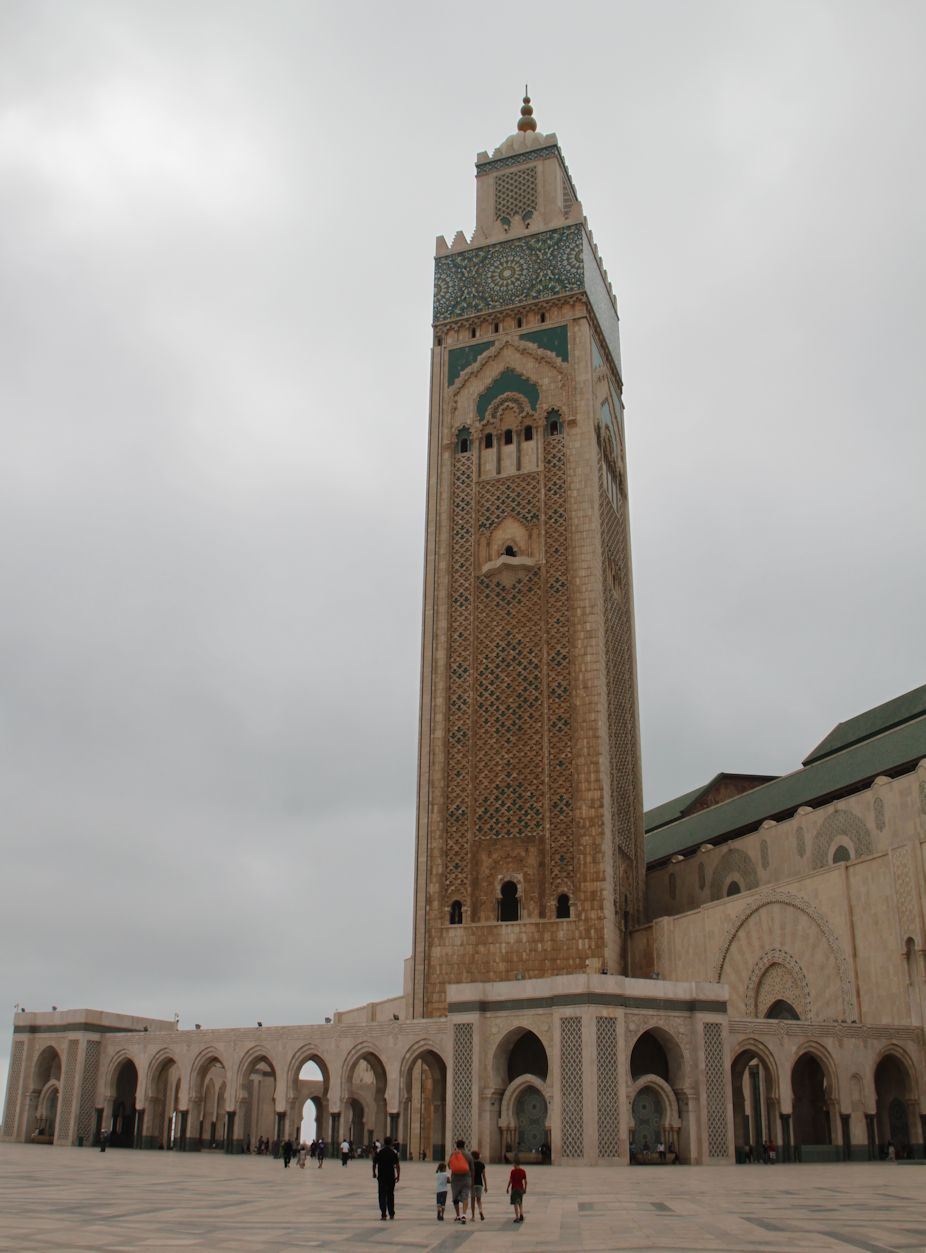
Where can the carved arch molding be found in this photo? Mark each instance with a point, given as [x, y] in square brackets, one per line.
[778, 975]
[794, 902]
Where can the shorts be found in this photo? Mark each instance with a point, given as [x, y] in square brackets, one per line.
[442, 1198]
[516, 1197]
[459, 1188]
[477, 1189]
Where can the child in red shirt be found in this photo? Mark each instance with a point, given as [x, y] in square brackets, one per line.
[517, 1186]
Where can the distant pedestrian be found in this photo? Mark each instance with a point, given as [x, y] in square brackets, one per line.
[386, 1171]
[479, 1186]
[287, 1152]
[345, 1151]
[442, 1180]
[104, 1140]
[320, 1152]
[301, 1154]
[517, 1186]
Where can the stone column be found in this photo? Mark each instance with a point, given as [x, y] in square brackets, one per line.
[872, 1137]
[182, 1133]
[138, 1140]
[280, 1132]
[786, 1151]
[229, 1131]
[846, 1120]
[393, 1120]
[335, 1128]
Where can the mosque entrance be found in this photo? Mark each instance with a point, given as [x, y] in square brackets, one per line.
[531, 1120]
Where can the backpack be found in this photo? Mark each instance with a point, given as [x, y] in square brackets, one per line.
[458, 1163]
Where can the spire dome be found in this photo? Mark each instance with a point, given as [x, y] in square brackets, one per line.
[527, 122]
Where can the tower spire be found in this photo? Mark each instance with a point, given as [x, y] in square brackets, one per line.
[527, 122]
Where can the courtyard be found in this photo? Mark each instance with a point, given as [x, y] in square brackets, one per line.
[81, 1199]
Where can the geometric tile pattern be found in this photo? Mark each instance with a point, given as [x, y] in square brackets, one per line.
[626, 835]
[67, 1091]
[462, 1082]
[87, 1106]
[507, 730]
[459, 765]
[516, 192]
[716, 1091]
[529, 268]
[561, 867]
[12, 1088]
[573, 1120]
[609, 1088]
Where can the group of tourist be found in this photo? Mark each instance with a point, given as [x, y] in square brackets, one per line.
[463, 1176]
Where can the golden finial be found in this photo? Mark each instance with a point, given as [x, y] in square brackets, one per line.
[526, 121]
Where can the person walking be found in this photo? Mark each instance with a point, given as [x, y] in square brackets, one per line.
[461, 1180]
[320, 1152]
[345, 1151]
[302, 1154]
[386, 1171]
[517, 1186]
[479, 1186]
[442, 1180]
[287, 1152]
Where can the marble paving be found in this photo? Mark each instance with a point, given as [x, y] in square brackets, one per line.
[81, 1199]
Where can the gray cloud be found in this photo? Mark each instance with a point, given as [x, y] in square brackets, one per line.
[215, 249]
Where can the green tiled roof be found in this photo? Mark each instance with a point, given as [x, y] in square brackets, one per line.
[893, 713]
[669, 811]
[834, 775]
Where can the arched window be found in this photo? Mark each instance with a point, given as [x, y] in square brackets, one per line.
[562, 906]
[841, 854]
[733, 888]
[553, 422]
[528, 434]
[510, 550]
[509, 438]
[782, 1011]
[488, 440]
[509, 906]
[456, 913]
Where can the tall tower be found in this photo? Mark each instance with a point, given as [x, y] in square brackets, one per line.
[530, 831]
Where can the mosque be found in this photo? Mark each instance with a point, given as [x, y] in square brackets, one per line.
[743, 964]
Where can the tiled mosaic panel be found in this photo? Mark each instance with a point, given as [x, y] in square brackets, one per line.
[715, 1090]
[518, 158]
[529, 268]
[573, 1121]
[840, 824]
[516, 192]
[87, 1106]
[627, 835]
[67, 1091]
[561, 872]
[609, 1094]
[462, 1082]
[14, 1078]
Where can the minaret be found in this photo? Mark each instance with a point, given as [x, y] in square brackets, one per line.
[530, 832]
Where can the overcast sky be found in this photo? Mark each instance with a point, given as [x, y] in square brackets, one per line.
[217, 226]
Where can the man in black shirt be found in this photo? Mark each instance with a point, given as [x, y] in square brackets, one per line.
[386, 1171]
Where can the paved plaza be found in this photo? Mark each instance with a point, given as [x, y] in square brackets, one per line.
[52, 1199]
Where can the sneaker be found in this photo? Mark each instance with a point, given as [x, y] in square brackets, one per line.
[482, 1216]
[463, 1221]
